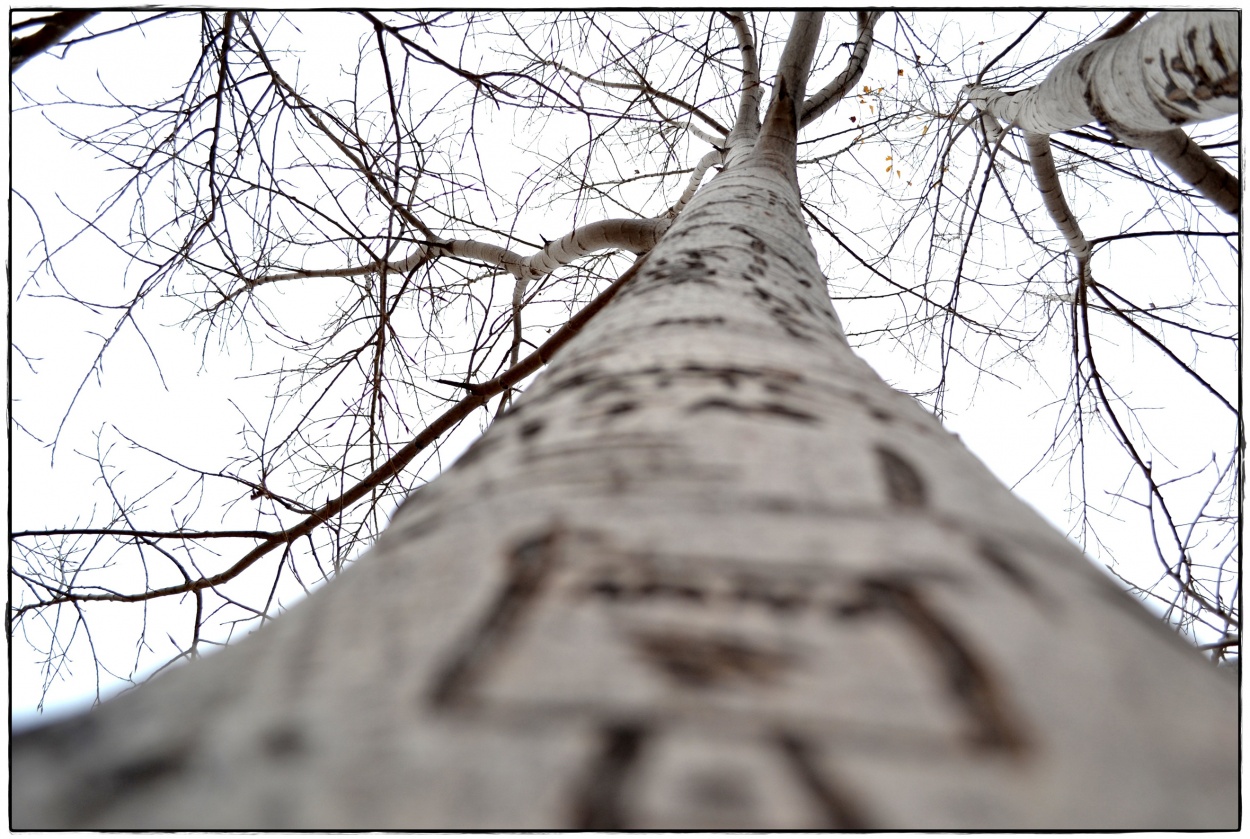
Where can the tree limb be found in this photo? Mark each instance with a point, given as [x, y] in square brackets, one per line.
[1047, 180]
[832, 93]
[1175, 150]
[52, 30]
[388, 470]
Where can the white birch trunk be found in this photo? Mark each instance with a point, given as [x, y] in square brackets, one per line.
[1174, 69]
[711, 572]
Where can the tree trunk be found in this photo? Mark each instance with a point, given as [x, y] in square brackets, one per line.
[1174, 69]
[710, 572]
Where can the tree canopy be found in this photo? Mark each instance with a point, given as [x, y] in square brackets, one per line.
[270, 285]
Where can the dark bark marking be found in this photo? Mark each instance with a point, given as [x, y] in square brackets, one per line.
[283, 742]
[529, 564]
[621, 408]
[777, 387]
[574, 381]
[1220, 58]
[686, 266]
[839, 809]
[903, 483]
[649, 587]
[728, 375]
[144, 771]
[678, 591]
[778, 598]
[608, 588]
[705, 661]
[1082, 67]
[731, 376]
[102, 790]
[531, 428]
[785, 598]
[1011, 571]
[600, 803]
[993, 724]
[774, 409]
[796, 333]
[754, 242]
[606, 385]
[715, 320]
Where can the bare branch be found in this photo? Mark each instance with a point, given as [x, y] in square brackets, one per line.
[52, 30]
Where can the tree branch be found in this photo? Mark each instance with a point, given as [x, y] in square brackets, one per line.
[1047, 180]
[832, 93]
[52, 30]
[387, 471]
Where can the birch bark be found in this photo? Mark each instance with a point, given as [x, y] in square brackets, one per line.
[1174, 69]
[710, 572]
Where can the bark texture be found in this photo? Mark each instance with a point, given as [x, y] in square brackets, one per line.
[1174, 69]
[710, 572]
[1140, 82]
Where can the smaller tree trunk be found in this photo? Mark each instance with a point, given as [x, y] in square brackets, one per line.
[1174, 69]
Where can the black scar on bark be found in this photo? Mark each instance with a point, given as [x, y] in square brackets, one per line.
[531, 428]
[773, 409]
[994, 724]
[705, 661]
[784, 599]
[710, 320]
[903, 484]
[1011, 570]
[102, 791]
[282, 743]
[621, 408]
[529, 564]
[606, 386]
[599, 804]
[645, 583]
[841, 812]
